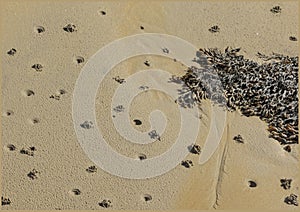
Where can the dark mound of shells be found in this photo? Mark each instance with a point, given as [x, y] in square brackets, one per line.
[268, 90]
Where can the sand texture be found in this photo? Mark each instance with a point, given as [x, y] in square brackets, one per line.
[44, 166]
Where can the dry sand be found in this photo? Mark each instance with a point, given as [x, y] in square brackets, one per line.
[221, 183]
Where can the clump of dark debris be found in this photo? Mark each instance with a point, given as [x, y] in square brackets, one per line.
[293, 38]
[28, 151]
[119, 79]
[214, 29]
[12, 52]
[195, 149]
[91, 169]
[268, 90]
[286, 183]
[5, 201]
[238, 138]
[70, 28]
[106, 203]
[276, 9]
[33, 174]
[291, 200]
[187, 163]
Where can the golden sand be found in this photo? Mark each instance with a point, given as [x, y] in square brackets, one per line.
[45, 122]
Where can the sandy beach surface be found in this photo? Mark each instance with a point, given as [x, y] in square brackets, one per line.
[44, 166]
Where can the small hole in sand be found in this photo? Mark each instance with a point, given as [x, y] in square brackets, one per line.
[61, 91]
[11, 147]
[142, 28]
[142, 157]
[76, 191]
[8, 113]
[147, 197]
[28, 93]
[252, 184]
[102, 12]
[79, 60]
[137, 122]
[288, 148]
[35, 121]
[147, 63]
[39, 29]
